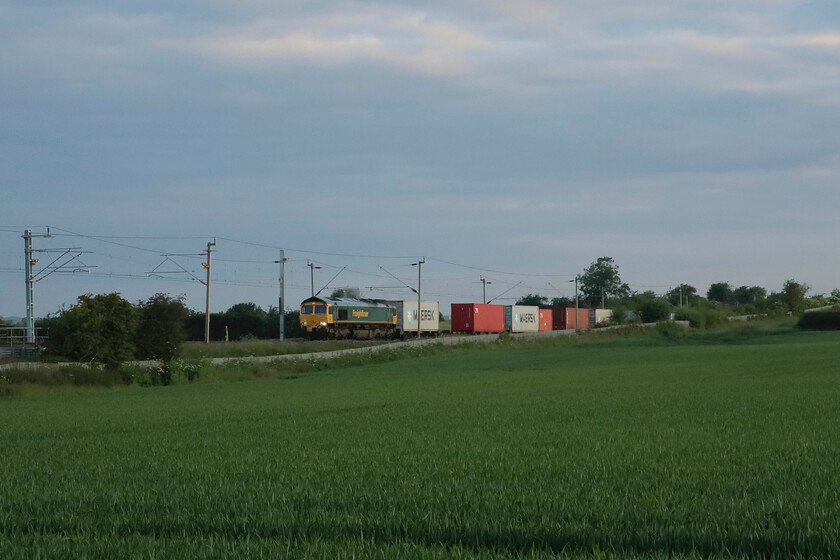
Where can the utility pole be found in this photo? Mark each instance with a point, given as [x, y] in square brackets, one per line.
[484, 283]
[62, 263]
[419, 265]
[312, 268]
[207, 284]
[30, 283]
[576, 301]
[281, 307]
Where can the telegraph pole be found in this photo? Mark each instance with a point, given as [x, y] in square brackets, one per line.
[281, 307]
[30, 283]
[484, 283]
[576, 301]
[207, 284]
[419, 265]
[312, 268]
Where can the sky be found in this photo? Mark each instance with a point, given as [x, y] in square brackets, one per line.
[691, 141]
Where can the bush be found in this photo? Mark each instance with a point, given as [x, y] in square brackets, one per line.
[96, 329]
[654, 310]
[705, 317]
[619, 314]
[160, 331]
[820, 321]
[670, 329]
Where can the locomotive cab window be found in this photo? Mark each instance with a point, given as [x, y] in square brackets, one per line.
[306, 310]
[320, 309]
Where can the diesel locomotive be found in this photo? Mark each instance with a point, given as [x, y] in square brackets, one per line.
[347, 318]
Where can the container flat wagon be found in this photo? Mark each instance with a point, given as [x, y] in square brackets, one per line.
[478, 318]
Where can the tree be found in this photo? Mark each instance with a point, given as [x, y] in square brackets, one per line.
[793, 295]
[196, 322]
[97, 328]
[291, 323]
[246, 320]
[654, 309]
[533, 299]
[9, 323]
[160, 329]
[683, 294]
[749, 295]
[562, 302]
[600, 281]
[720, 292]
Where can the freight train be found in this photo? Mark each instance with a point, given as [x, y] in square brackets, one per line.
[384, 319]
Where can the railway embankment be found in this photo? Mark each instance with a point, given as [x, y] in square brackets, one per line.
[450, 340]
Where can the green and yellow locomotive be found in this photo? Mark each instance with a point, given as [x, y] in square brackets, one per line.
[347, 318]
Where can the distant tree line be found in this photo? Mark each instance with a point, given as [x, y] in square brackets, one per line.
[600, 285]
[109, 330]
[244, 321]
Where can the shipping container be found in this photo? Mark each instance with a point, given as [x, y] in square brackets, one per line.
[522, 318]
[603, 316]
[407, 316]
[546, 324]
[478, 318]
[563, 318]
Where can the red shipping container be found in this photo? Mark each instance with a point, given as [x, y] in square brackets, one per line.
[546, 323]
[478, 318]
[583, 319]
[564, 318]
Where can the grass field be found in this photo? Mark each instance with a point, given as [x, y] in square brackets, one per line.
[721, 445]
[243, 348]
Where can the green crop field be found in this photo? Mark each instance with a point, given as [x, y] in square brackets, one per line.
[716, 446]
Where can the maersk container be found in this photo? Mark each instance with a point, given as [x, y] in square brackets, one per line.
[407, 316]
[546, 323]
[603, 316]
[478, 318]
[522, 318]
[564, 318]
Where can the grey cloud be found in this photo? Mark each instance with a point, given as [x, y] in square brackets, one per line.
[583, 128]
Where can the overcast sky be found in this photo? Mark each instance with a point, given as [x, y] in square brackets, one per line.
[692, 141]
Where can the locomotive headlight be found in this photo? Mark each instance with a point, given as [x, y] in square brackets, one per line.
[323, 323]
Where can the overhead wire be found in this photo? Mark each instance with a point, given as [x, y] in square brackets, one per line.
[442, 280]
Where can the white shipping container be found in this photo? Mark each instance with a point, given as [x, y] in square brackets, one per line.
[407, 316]
[522, 318]
[602, 316]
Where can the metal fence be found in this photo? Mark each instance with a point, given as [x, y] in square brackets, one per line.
[13, 342]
